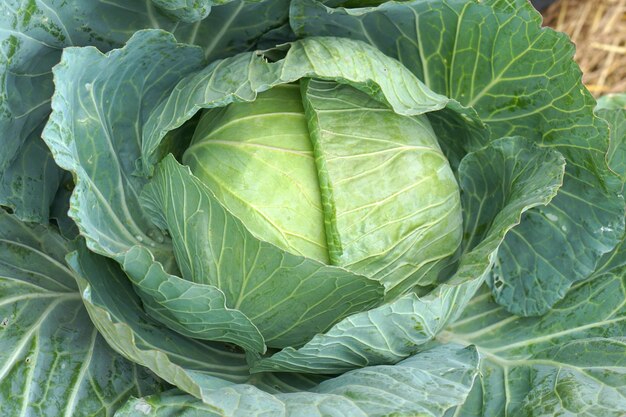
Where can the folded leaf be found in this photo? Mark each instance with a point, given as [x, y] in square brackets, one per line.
[116, 312]
[195, 310]
[426, 385]
[288, 297]
[241, 77]
[92, 86]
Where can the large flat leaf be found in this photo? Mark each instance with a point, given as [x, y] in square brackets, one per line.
[426, 385]
[569, 362]
[288, 297]
[53, 362]
[513, 175]
[231, 27]
[522, 80]
[193, 11]
[30, 182]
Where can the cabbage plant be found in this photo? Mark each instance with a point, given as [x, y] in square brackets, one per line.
[305, 208]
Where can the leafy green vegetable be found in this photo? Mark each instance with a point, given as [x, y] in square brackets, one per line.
[303, 207]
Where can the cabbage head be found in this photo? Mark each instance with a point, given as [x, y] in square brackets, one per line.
[306, 208]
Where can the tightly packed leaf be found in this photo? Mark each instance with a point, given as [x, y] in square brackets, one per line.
[303, 207]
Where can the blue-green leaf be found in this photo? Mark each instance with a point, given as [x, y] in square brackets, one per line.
[30, 182]
[32, 36]
[194, 310]
[612, 102]
[613, 110]
[110, 96]
[425, 385]
[188, 11]
[53, 362]
[115, 309]
[570, 362]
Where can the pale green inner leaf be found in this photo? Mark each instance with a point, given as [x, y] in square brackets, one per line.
[388, 190]
[258, 161]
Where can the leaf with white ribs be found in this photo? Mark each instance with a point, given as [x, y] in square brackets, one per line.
[53, 361]
[288, 297]
[426, 385]
[569, 362]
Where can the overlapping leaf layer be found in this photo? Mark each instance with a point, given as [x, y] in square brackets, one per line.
[132, 285]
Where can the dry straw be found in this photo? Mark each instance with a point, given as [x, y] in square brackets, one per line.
[598, 28]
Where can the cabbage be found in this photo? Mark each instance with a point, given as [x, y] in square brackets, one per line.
[295, 207]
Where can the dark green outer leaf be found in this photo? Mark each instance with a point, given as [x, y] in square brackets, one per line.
[30, 182]
[60, 207]
[188, 11]
[53, 362]
[233, 27]
[32, 35]
[193, 11]
[521, 80]
[569, 362]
